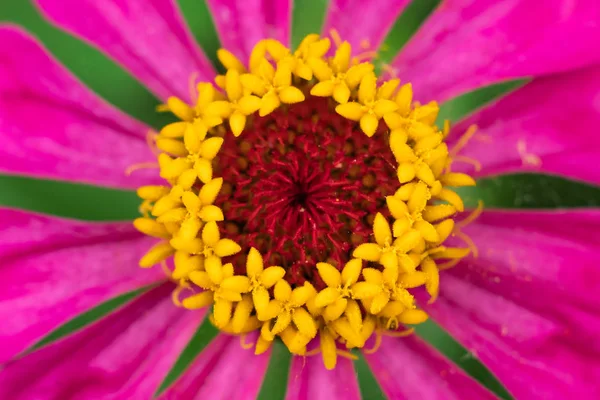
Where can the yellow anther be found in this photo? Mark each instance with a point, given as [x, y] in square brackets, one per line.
[152, 192]
[457, 179]
[151, 227]
[229, 61]
[156, 254]
[174, 130]
[180, 108]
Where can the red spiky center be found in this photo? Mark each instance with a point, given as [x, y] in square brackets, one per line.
[302, 186]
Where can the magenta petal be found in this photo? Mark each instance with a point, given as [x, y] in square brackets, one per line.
[53, 269]
[547, 126]
[242, 23]
[358, 20]
[52, 126]
[466, 44]
[149, 38]
[124, 356]
[309, 380]
[223, 370]
[407, 368]
[529, 306]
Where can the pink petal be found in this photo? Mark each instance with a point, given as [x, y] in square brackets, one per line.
[544, 127]
[124, 356]
[52, 126]
[309, 380]
[529, 306]
[242, 23]
[222, 371]
[149, 38]
[407, 368]
[466, 44]
[53, 269]
[357, 21]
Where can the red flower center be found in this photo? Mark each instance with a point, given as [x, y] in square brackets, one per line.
[303, 186]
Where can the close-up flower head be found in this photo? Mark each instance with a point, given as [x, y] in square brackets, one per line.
[299, 199]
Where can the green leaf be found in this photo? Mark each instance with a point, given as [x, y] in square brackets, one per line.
[367, 383]
[454, 351]
[204, 335]
[466, 104]
[90, 65]
[527, 190]
[308, 16]
[87, 318]
[200, 21]
[68, 200]
[275, 382]
[403, 29]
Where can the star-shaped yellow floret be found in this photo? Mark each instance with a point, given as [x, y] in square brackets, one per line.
[287, 307]
[221, 287]
[394, 297]
[389, 252]
[197, 209]
[409, 215]
[209, 244]
[370, 107]
[337, 78]
[412, 121]
[416, 161]
[274, 86]
[342, 289]
[311, 47]
[164, 206]
[238, 106]
[185, 263]
[261, 279]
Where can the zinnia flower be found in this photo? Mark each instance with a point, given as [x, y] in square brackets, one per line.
[298, 210]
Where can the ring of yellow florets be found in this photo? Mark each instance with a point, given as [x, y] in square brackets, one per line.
[358, 302]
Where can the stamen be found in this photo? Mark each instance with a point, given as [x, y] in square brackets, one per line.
[376, 346]
[468, 160]
[449, 264]
[335, 36]
[463, 141]
[145, 165]
[403, 333]
[313, 352]
[391, 71]
[192, 85]
[468, 241]
[177, 292]
[346, 354]
[367, 55]
[472, 217]
[246, 345]
[165, 268]
[151, 142]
